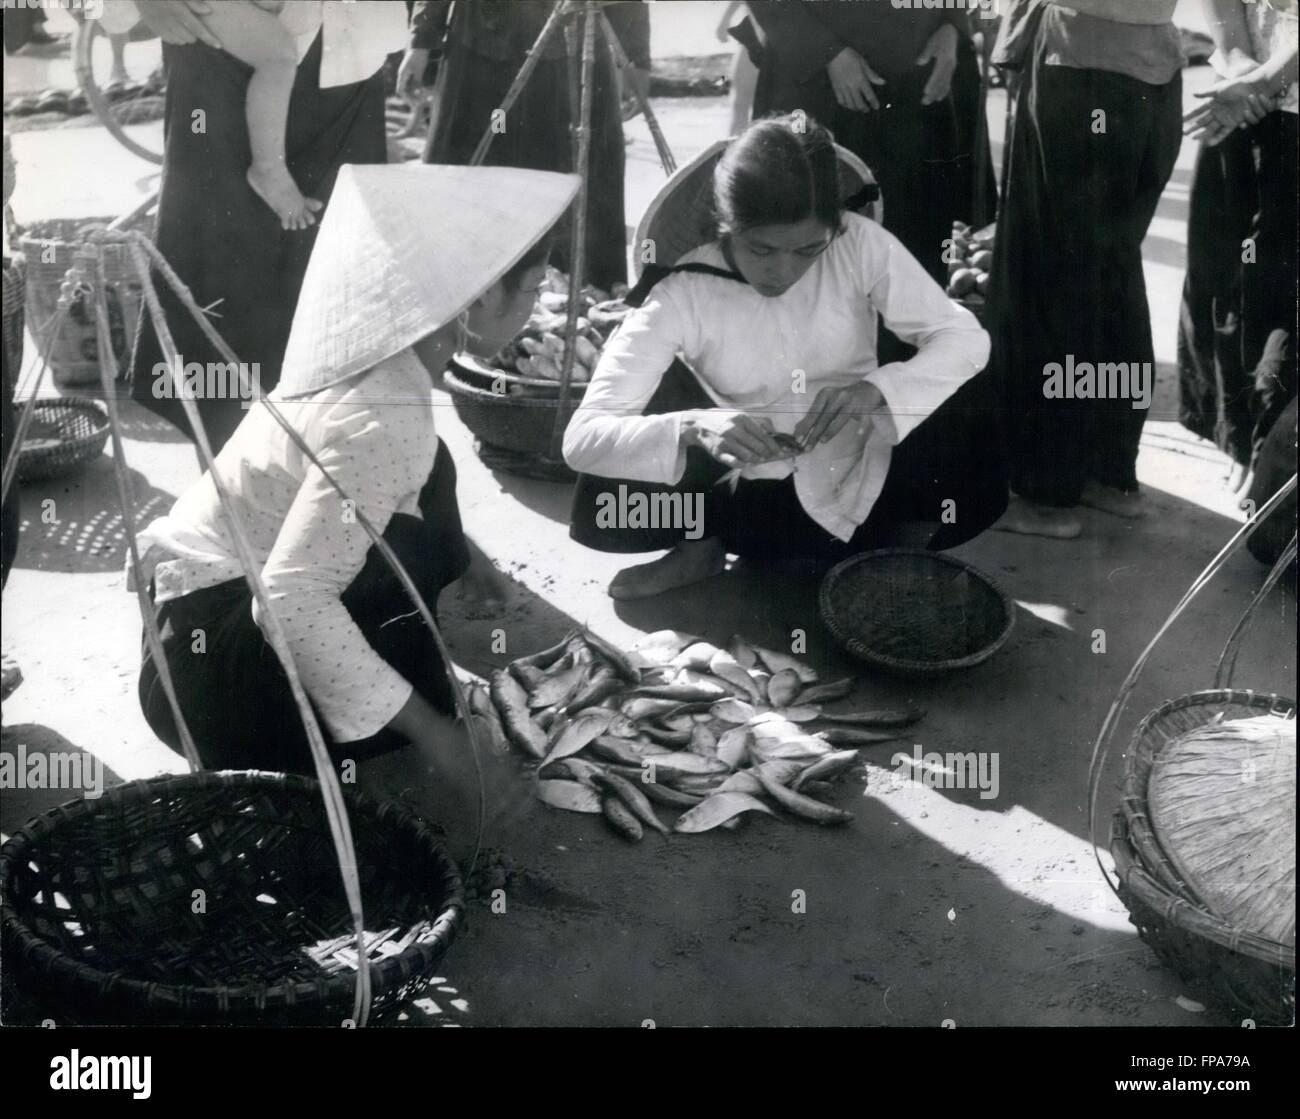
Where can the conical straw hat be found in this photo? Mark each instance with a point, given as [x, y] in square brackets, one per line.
[680, 217]
[1222, 801]
[404, 249]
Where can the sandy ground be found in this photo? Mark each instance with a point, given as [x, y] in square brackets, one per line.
[934, 904]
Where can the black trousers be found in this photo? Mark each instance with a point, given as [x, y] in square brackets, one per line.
[951, 456]
[1067, 271]
[234, 694]
[224, 242]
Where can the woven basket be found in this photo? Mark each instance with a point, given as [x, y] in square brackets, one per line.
[82, 424]
[1232, 967]
[514, 423]
[73, 352]
[99, 899]
[915, 612]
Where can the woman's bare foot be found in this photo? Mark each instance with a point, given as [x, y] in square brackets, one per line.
[1028, 519]
[690, 562]
[482, 587]
[275, 186]
[1129, 504]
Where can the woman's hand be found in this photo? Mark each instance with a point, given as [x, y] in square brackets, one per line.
[852, 79]
[733, 438]
[178, 21]
[410, 74]
[833, 408]
[1234, 103]
[941, 49]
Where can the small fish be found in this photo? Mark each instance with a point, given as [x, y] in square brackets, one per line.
[569, 795]
[733, 711]
[824, 693]
[604, 683]
[828, 765]
[512, 705]
[718, 809]
[631, 796]
[742, 652]
[559, 688]
[742, 781]
[801, 805]
[783, 687]
[682, 763]
[784, 771]
[776, 661]
[881, 718]
[614, 655]
[578, 732]
[625, 751]
[642, 707]
[661, 646]
[726, 667]
[789, 443]
[702, 742]
[668, 796]
[856, 736]
[546, 657]
[732, 746]
[527, 675]
[806, 748]
[696, 656]
[802, 712]
[574, 769]
[681, 693]
[772, 726]
[681, 722]
[620, 726]
[705, 680]
[673, 738]
[481, 704]
[620, 818]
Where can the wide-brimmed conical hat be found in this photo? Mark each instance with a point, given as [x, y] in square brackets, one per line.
[681, 217]
[404, 249]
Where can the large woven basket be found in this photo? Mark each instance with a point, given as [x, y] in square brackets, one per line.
[514, 423]
[1234, 968]
[82, 426]
[73, 352]
[915, 612]
[99, 916]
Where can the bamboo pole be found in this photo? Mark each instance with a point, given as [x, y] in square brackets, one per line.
[652, 122]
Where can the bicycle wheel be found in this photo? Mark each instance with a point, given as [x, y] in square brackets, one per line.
[118, 105]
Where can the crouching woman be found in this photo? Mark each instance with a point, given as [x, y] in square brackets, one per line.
[746, 385]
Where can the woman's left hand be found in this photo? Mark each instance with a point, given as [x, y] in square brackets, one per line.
[941, 49]
[832, 408]
[1230, 104]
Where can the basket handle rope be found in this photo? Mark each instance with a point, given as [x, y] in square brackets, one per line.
[1101, 748]
[1228, 658]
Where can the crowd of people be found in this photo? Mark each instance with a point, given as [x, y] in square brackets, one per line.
[800, 366]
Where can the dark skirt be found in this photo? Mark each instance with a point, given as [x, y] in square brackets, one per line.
[224, 242]
[537, 135]
[949, 457]
[1242, 188]
[235, 695]
[1067, 272]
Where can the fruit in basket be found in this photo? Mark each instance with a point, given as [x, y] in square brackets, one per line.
[982, 284]
[963, 283]
[982, 261]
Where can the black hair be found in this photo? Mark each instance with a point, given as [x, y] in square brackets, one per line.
[539, 254]
[780, 170]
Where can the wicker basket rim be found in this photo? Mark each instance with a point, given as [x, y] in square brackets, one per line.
[865, 652]
[456, 385]
[459, 365]
[385, 973]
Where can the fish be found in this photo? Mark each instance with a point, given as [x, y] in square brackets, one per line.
[806, 748]
[620, 726]
[560, 685]
[633, 797]
[484, 709]
[856, 736]
[577, 733]
[802, 712]
[782, 770]
[725, 666]
[773, 726]
[776, 661]
[705, 680]
[742, 781]
[512, 704]
[604, 683]
[699, 783]
[625, 751]
[783, 687]
[642, 707]
[620, 818]
[731, 479]
[732, 746]
[614, 655]
[575, 769]
[668, 796]
[881, 718]
[718, 809]
[822, 693]
[696, 656]
[673, 738]
[683, 722]
[801, 805]
[703, 742]
[828, 765]
[546, 657]
[742, 652]
[681, 693]
[527, 675]
[733, 711]
[681, 763]
[572, 796]
[661, 646]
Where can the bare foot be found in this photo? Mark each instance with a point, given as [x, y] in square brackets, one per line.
[1028, 519]
[1240, 478]
[690, 562]
[275, 187]
[482, 587]
[1119, 503]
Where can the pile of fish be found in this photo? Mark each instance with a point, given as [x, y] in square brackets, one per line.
[678, 723]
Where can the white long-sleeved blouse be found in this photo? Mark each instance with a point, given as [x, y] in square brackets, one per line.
[770, 356]
[375, 435]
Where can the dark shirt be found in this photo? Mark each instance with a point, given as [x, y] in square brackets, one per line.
[505, 30]
[802, 36]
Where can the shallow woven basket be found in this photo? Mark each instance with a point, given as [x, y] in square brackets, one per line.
[48, 248]
[82, 424]
[515, 423]
[1232, 967]
[915, 612]
[98, 916]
